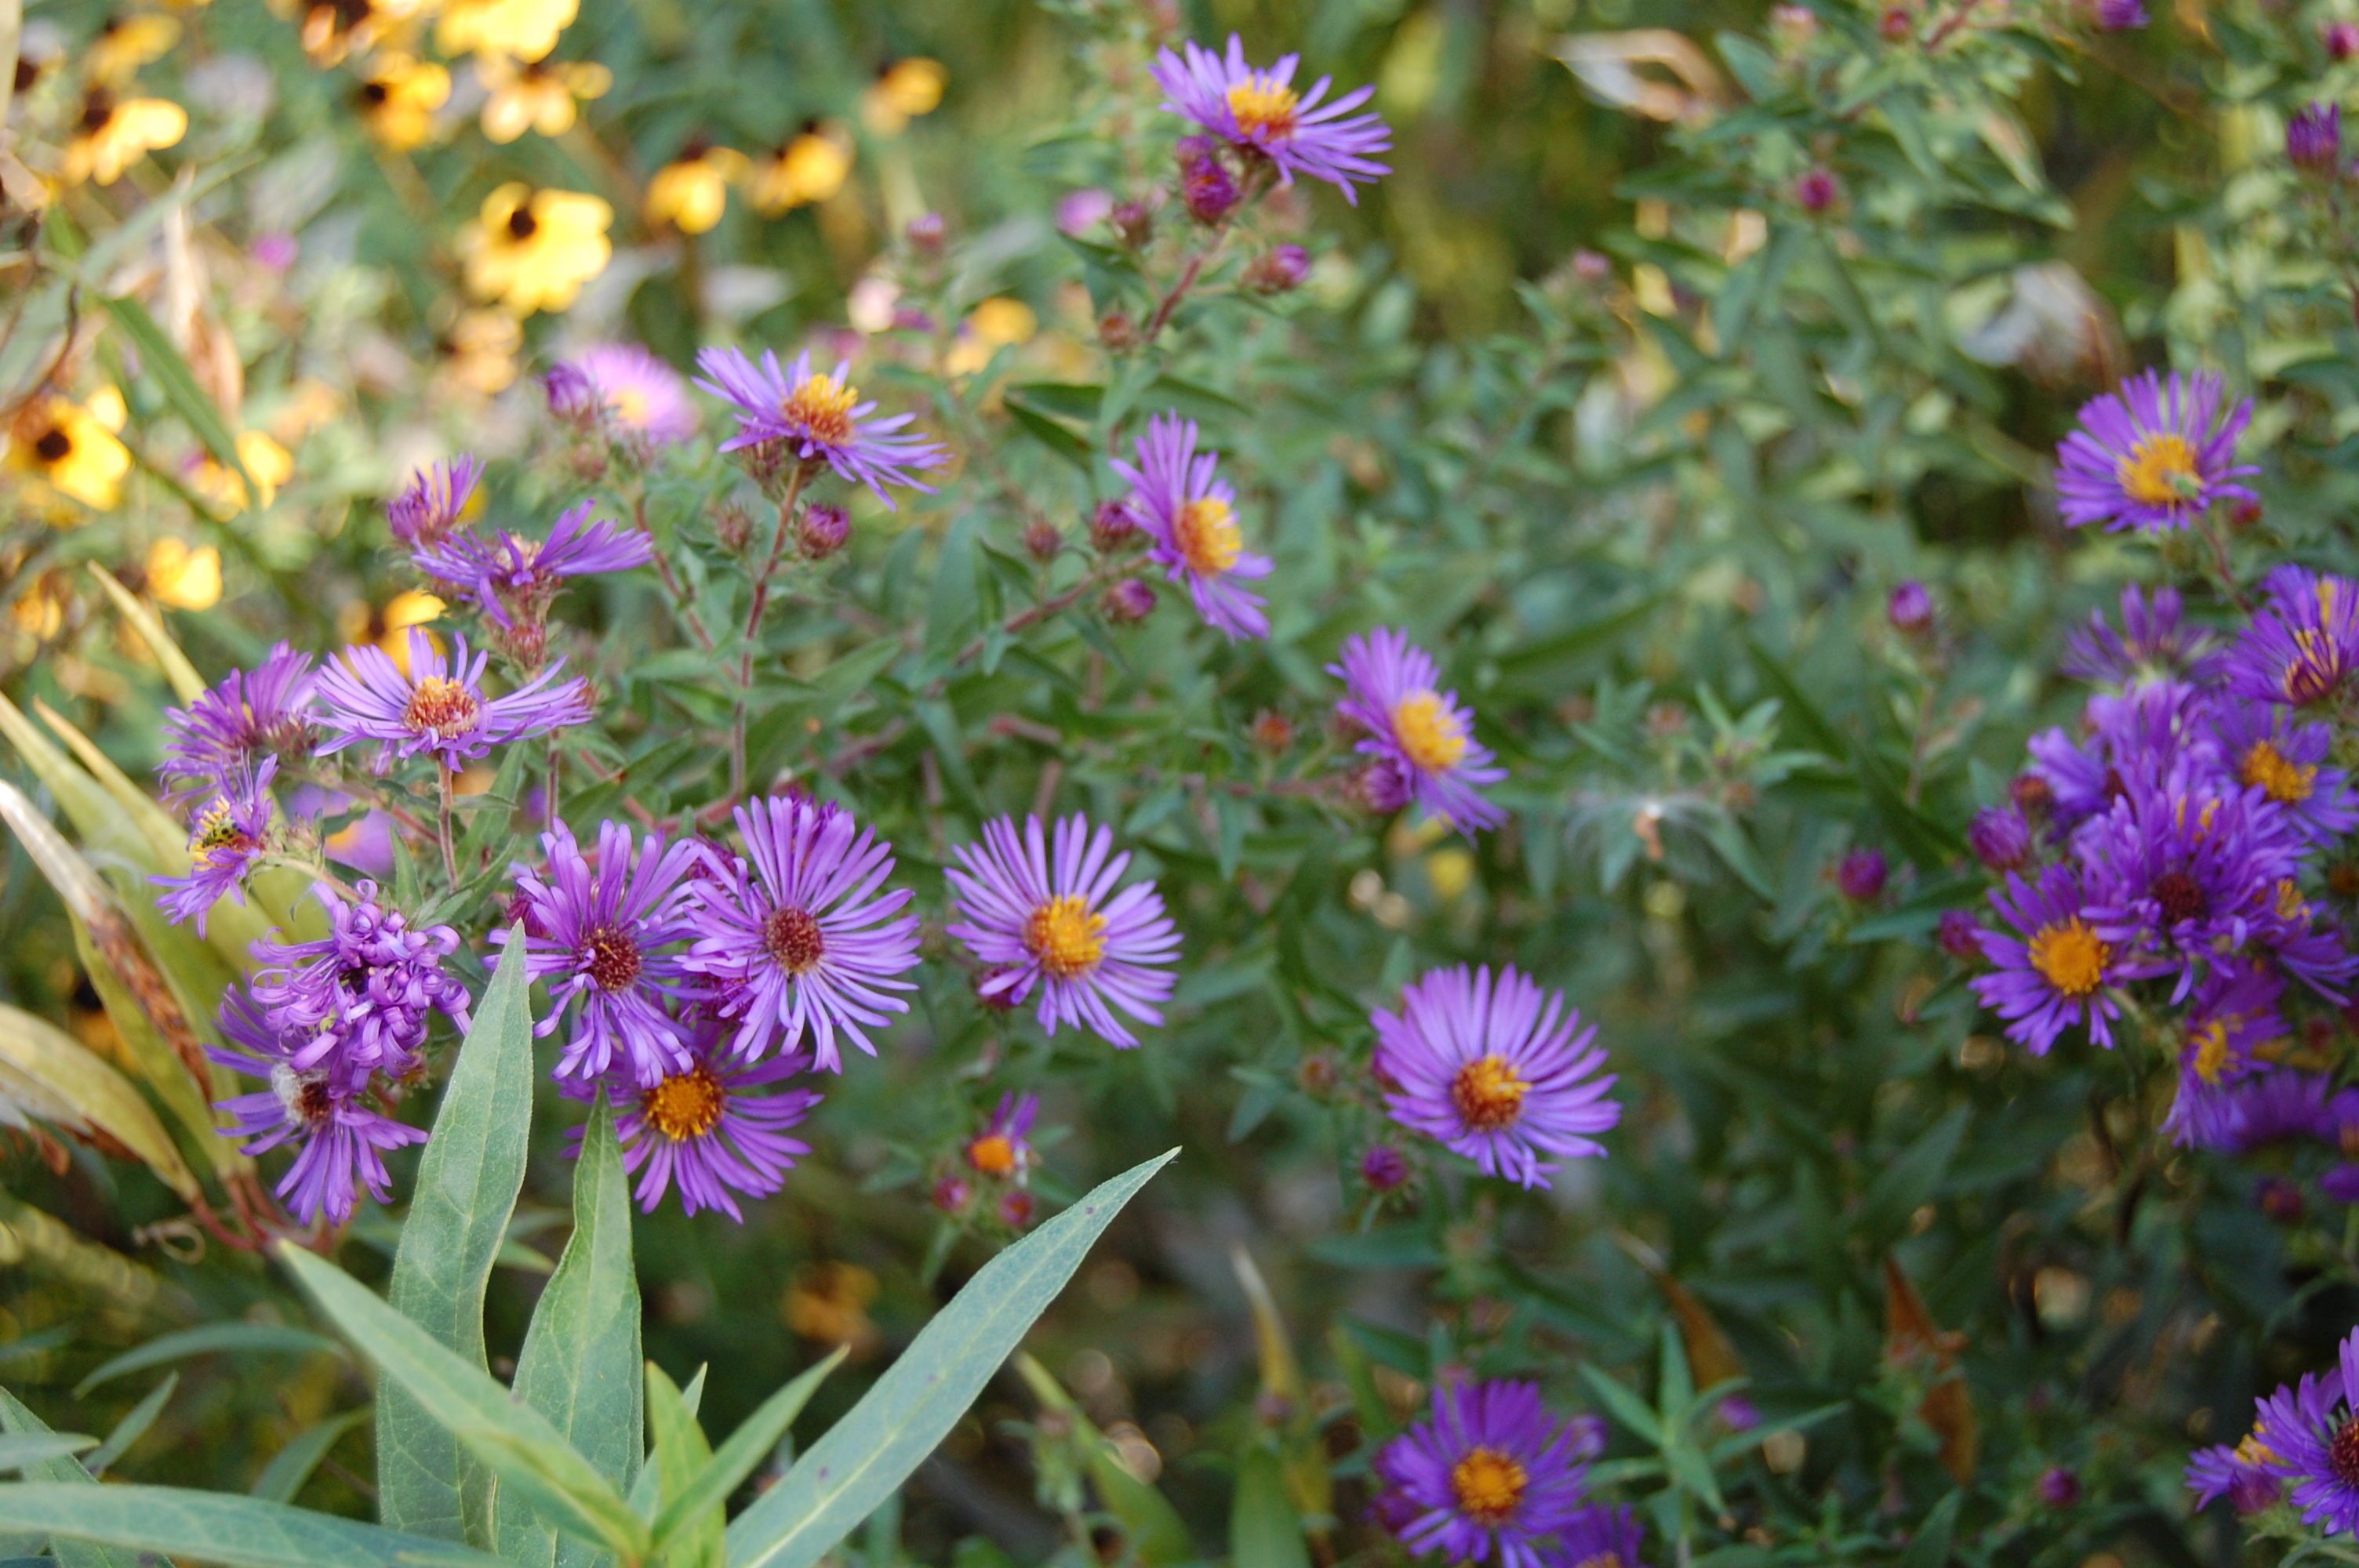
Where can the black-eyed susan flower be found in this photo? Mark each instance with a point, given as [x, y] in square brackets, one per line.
[522, 29]
[537, 97]
[267, 463]
[811, 168]
[902, 92]
[333, 31]
[71, 451]
[533, 250]
[112, 136]
[398, 98]
[124, 44]
[689, 192]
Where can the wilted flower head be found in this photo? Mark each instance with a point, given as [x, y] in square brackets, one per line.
[2153, 455]
[1259, 112]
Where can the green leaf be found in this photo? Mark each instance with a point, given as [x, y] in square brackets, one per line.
[204, 1341]
[698, 1502]
[681, 1455]
[1264, 1529]
[1931, 1546]
[1065, 400]
[68, 1553]
[219, 1527]
[179, 385]
[580, 1364]
[1628, 1408]
[1158, 1537]
[1053, 435]
[132, 1427]
[889, 1432]
[1909, 1180]
[27, 1450]
[467, 1184]
[282, 1479]
[514, 1441]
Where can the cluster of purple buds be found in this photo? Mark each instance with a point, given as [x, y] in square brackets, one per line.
[1206, 186]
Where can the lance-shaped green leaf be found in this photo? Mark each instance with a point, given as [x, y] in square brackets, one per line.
[467, 1184]
[1264, 1529]
[219, 1527]
[131, 1428]
[846, 1474]
[696, 1503]
[681, 1455]
[580, 1364]
[180, 386]
[282, 1479]
[67, 1552]
[52, 1075]
[30, 1450]
[187, 685]
[515, 1442]
[204, 1341]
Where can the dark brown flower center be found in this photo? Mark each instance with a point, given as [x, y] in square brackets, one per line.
[54, 445]
[522, 224]
[312, 1101]
[2342, 1453]
[2182, 897]
[374, 93]
[610, 957]
[792, 937]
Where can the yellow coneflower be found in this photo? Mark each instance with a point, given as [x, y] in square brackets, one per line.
[124, 44]
[523, 29]
[72, 449]
[484, 345]
[811, 168]
[398, 98]
[183, 577]
[269, 464]
[533, 250]
[992, 326]
[902, 92]
[537, 97]
[335, 30]
[112, 136]
[689, 192]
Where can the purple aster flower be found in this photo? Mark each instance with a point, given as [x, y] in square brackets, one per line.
[2181, 873]
[224, 840]
[2235, 1010]
[360, 998]
[819, 418]
[2314, 138]
[439, 707]
[2291, 935]
[2241, 1474]
[437, 500]
[253, 714]
[594, 933]
[1259, 112]
[1601, 1536]
[2142, 734]
[798, 933]
[1860, 875]
[2120, 16]
[515, 579]
[2000, 838]
[2312, 1438]
[1420, 734]
[1910, 608]
[2299, 649]
[2053, 972]
[2153, 455]
[2282, 1106]
[1000, 1151]
[1490, 1473]
[1502, 1074]
[644, 395]
[2153, 644]
[2059, 1487]
[1055, 923]
[1191, 517]
[343, 1140]
[2267, 748]
[712, 1127]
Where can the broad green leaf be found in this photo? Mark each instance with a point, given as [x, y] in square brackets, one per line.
[681, 1455]
[187, 685]
[179, 385]
[68, 1552]
[1264, 1529]
[869, 1453]
[55, 1078]
[580, 1364]
[698, 1503]
[30, 1450]
[514, 1441]
[218, 1527]
[131, 1428]
[467, 1184]
[204, 1341]
[282, 1479]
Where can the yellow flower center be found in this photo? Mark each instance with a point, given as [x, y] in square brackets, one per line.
[822, 406]
[444, 707]
[686, 1105]
[2317, 664]
[2253, 1451]
[994, 1154]
[2070, 957]
[2292, 905]
[1489, 1485]
[1066, 937]
[2161, 471]
[2211, 1051]
[2286, 782]
[1434, 738]
[629, 403]
[1206, 533]
[1264, 108]
[1489, 1094]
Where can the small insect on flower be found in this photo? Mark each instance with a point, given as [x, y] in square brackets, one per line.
[1056, 923]
[1503, 1073]
[225, 839]
[2054, 971]
[438, 707]
[1191, 517]
[1000, 1151]
[2154, 455]
[712, 1127]
[819, 418]
[1259, 112]
[1489, 1474]
[1420, 737]
[802, 933]
[533, 250]
[2302, 643]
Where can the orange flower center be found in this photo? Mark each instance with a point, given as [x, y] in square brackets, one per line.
[1434, 737]
[443, 708]
[1489, 1094]
[821, 405]
[1206, 533]
[2070, 956]
[1489, 1485]
[2161, 471]
[2286, 782]
[994, 1154]
[1264, 108]
[1066, 937]
[686, 1105]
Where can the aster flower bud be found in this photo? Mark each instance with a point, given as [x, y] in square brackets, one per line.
[767, 462]
[991, 991]
[2280, 1199]
[2032, 795]
[821, 530]
[2244, 515]
[953, 1193]
[1957, 934]
[926, 231]
[1319, 1074]
[1910, 608]
[1591, 266]
[1817, 190]
[1860, 875]
[1383, 1168]
[1043, 540]
[1016, 1209]
[1117, 331]
[1382, 786]
[1132, 223]
[733, 525]
[2059, 1487]
[1111, 528]
[1897, 26]
[2000, 838]
[573, 397]
[1206, 186]
[1278, 271]
[1272, 731]
[1128, 602]
[2314, 138]
[1738, 1413]
[2341, 38]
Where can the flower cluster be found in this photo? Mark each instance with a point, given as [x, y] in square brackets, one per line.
[1490, 1475]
